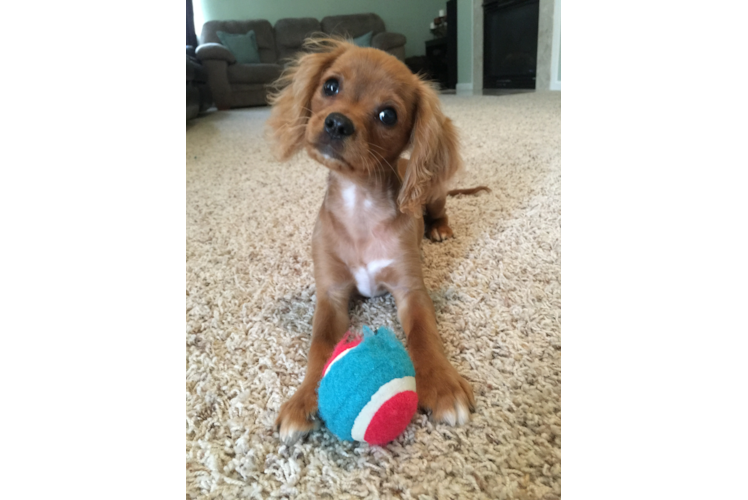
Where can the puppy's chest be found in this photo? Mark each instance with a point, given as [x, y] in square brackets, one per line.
[371, 247]
[370, 260]
[367, 277]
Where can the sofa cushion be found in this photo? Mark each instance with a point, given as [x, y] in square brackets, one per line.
[353, 25]
[254, 73]
[363, 40]
[290, 34]
[263, 35]
[244, 47]
[386, 41]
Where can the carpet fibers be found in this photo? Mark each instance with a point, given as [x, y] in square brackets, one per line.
[496, 288]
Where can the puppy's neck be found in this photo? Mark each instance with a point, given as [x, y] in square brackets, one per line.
[381, 184]
[359, 199]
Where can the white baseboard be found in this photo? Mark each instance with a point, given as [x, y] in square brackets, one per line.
[565, 87]
[464, 87]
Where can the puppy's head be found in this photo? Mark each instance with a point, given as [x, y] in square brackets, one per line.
[355, 110]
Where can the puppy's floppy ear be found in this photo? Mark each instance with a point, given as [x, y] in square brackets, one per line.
[292, 104]
[435, 156]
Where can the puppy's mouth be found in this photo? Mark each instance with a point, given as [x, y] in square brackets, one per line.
[328, 154]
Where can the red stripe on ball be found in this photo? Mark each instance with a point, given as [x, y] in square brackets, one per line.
[392, 418]
[349, 341]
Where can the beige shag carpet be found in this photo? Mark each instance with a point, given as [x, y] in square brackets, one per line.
[496, 288]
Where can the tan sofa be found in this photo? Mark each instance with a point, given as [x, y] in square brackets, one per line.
[236, 85]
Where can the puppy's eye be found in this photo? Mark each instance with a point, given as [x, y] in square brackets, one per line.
[388, 116]
[331, 87]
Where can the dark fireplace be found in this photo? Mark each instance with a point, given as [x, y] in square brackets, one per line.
[510, 43]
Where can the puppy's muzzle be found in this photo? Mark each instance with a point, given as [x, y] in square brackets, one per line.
[338, 126]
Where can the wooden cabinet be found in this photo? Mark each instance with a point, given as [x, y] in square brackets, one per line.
[441, 53]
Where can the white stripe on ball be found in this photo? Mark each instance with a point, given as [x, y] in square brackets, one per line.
[340, 356]
[395, 386]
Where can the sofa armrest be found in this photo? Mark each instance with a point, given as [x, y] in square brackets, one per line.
[215, 51]
[387, 41]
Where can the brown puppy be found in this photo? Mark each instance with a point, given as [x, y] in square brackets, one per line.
[355, 111]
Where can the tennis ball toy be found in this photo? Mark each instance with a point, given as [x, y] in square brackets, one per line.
[368, 388]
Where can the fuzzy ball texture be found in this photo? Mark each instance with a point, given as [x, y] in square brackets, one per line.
[368, 388]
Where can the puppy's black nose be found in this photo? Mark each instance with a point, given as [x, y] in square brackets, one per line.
[338, 126]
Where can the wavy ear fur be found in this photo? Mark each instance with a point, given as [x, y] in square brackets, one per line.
[292, 103]
[435, 156]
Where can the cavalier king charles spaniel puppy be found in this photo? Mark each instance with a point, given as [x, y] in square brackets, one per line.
[356, 111]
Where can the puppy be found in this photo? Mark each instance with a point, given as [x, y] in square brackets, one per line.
[356, 110]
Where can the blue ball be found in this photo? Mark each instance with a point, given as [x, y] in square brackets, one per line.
[368, 388]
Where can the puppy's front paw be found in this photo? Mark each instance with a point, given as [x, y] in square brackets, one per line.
[297, 416]
[443, 392]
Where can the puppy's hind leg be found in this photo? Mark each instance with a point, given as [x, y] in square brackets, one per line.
[435, 216]
[436, 223]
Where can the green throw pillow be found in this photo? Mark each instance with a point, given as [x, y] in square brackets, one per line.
[364, 40]
[244, 47]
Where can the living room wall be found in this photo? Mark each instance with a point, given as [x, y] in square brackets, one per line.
[409, 17]
[464, 42]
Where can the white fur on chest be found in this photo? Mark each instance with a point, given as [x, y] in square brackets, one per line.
[354, 199]
[366, 277]
[349, 196]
